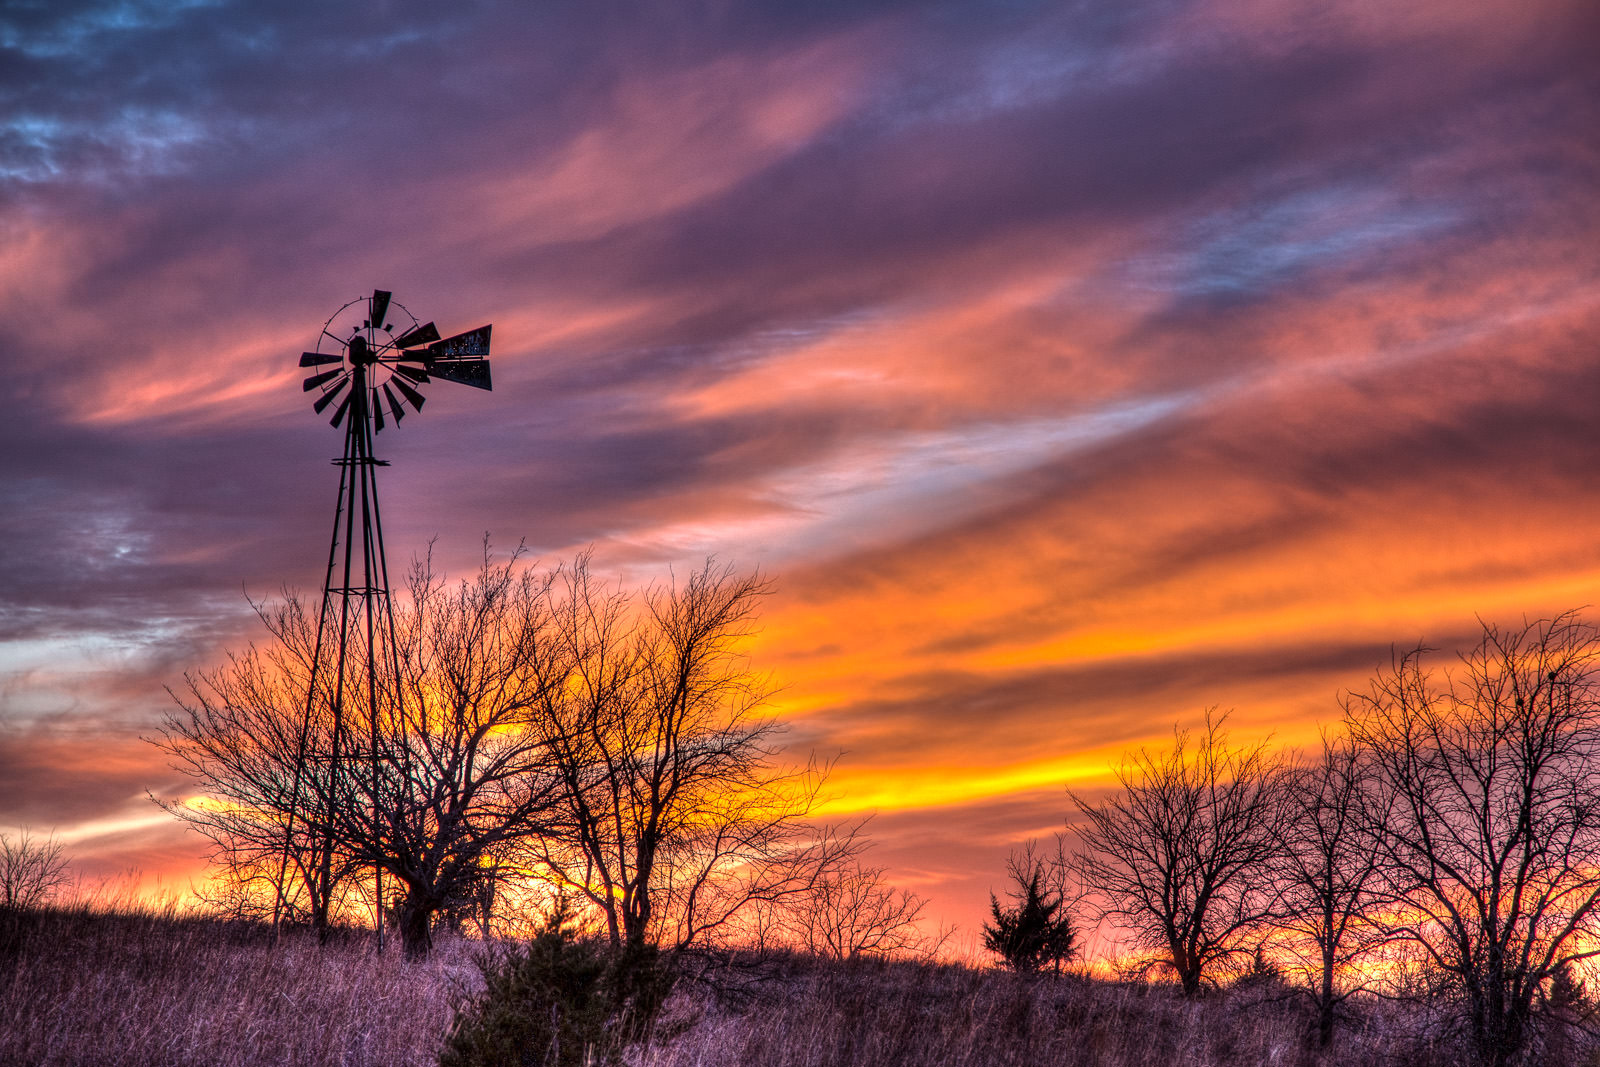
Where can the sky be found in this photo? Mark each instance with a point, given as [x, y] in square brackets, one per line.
[1070, 367]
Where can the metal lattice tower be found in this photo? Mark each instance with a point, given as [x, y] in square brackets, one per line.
[373, 373]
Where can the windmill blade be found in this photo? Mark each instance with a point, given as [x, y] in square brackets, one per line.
[380, 308]
[318, 379]
[338, 416]
[414, 397]
[377, 412]
[473, 372]
[394, 406]
[319, 359]
[425, 334]
[415, 372]
[327, 398]
[473, 343]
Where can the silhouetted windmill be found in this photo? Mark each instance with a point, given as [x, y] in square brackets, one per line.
[372, 371]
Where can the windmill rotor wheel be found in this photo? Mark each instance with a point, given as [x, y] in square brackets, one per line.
[377, 341]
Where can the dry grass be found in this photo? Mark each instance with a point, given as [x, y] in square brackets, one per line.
[142, 988]
[918, 1015]
[79, 986]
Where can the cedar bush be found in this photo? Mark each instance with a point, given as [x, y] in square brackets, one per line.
[558, 1001]
[1034, 933]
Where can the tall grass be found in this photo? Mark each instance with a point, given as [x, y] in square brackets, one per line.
[902, 1014]
[155, 987]
[152, 987]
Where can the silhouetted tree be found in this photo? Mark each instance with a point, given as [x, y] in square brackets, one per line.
[611, 743]
[464, 774]
[1327, 872]
[31, 870]
[451, 773]
[257, 746]
[1488, 817]
[1035, 931]
[1180, 856]
[676, 815]
[852, 911]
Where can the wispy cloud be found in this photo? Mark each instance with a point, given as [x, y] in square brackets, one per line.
[1071, 368]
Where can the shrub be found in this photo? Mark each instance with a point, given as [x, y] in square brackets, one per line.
[1035, 932]
[557, 1001]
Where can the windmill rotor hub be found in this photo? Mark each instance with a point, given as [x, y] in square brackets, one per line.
[360, 354]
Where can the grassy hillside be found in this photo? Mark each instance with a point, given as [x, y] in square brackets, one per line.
[130, 988]
[81, 987]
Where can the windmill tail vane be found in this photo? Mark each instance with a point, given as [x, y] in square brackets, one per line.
[371, 362]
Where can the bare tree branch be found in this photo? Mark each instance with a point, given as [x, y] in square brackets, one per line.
[1180, 855]
[1487, 817]
[678, 816]
[31, 870]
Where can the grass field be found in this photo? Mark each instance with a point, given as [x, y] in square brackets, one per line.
[135, 988]
[129, 987]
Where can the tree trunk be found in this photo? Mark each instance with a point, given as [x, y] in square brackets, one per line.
[1503, 1035]
[319, 888]
[1325, 999]
[319, 911]
[415, 921]
[1187, 964]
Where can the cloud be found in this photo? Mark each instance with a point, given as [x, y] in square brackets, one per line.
[1072, 367]
[79, 773]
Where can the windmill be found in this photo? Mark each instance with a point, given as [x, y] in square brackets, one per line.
[371, 360]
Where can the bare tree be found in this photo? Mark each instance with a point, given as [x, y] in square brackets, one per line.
[31, 870]
[1489, 833]
[678, 816]
[853, 911]
[451, 774]
[541, 724]
[464, 773]
[1180, 854]
[1327, 873]
[255, 738]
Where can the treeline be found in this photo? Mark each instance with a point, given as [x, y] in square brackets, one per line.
[531, 737]
[541, 737]
[1442, 845]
